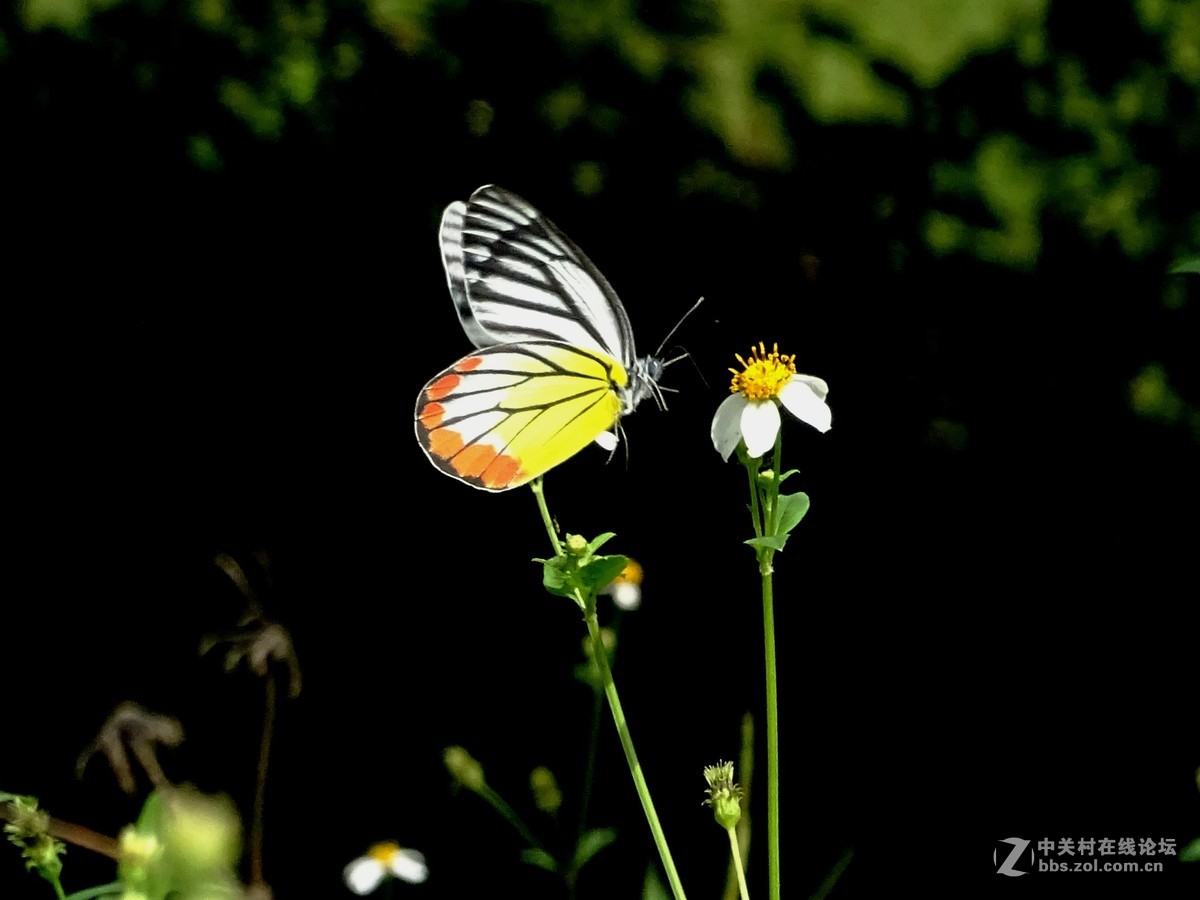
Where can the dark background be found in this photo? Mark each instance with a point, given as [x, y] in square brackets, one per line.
[224, 292]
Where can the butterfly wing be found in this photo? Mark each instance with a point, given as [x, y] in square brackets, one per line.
[515, 277]
[506, 414]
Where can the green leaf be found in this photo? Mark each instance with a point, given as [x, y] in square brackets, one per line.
[788, 474]
[553, 576]
[792, 508]
[1189, 266]
[592, 842]
[567, 575]
[540, 858]
[556, 576]
[652, 886]
[600, 570]
[599, 541]
[771, 543]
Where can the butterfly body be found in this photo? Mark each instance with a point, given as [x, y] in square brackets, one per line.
[555, 366]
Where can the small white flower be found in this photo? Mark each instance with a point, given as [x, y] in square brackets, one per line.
[366, 873]
[626, 588]
[751, 413]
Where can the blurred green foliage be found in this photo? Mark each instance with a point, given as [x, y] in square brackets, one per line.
[1154, 398]
[979, 130]
[744, 70]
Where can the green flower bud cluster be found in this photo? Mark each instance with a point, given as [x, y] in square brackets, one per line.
[724, 796]
[579, 572]
[29, 829]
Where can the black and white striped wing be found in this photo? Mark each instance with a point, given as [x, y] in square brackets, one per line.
[515, 277]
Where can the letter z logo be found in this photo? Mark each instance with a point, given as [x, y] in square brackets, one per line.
[1006, 867]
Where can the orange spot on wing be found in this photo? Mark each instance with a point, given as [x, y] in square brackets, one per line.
[442, 386]
[431, 415]
[502, 472]
[445, 443]
[471, 462]
[466, 365]
[480, 461]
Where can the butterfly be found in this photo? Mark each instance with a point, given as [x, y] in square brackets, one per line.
[555, 366]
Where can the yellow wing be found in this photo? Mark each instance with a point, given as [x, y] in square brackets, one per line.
[506, 414]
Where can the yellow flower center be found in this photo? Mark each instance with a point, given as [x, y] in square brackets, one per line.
[384, 852]
[764, 374]
[631, 574]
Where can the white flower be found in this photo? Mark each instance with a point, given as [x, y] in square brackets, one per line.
[751, 413]
[626, 588]
[367, 872]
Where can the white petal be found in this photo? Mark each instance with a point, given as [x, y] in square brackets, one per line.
[409, 865]
[626, 595]
[607, 440]
[818, 385]
[727, 424]
[804, 397]
[364, 874]
[760, 425]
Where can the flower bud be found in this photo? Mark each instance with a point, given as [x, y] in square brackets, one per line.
[546, 795]
[464, 768]
[724, 796]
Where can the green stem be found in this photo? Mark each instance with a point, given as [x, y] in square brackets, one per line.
[772, 727]
[755, 514]
[103, 890]
[501, 806]
[58, 888]
[600, 654]
[589, 774]
[770, 523]
[772, 526]
[538, 492]
[737, 864]
[745, 768]
[635, 768]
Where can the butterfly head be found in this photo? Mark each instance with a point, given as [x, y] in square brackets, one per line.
[643, 383]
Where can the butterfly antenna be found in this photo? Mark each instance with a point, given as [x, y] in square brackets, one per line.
[679, 358]
[694, 366]
[659, 400]
[671, 333]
